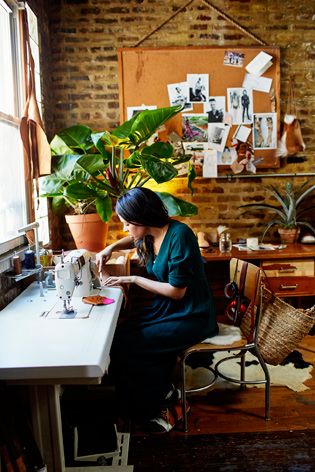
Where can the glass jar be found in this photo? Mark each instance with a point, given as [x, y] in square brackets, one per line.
[225, 242]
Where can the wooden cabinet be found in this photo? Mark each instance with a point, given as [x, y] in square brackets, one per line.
[290, 277]
[290, 272]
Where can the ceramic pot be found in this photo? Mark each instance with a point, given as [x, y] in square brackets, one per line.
[88, 231]
[289, 236]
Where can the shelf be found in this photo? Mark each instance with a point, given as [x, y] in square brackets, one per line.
[25, 273]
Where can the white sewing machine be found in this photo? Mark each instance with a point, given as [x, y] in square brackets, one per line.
[73, 277]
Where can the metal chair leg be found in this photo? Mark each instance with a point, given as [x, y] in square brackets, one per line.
[183, 392]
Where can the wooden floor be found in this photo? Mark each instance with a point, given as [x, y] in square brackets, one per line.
[227, 432]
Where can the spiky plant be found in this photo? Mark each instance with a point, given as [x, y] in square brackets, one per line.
[290, 211]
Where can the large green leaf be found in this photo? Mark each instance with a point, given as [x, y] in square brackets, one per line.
[80, 191]
[141, 127]
[78, 136]
[65, 165]
[177, 206]
[160, 149]
[92, 163]
[159, 171]
[58, 146]
[51, 186]
[104, 207]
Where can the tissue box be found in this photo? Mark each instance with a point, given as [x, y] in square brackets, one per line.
[119, 263]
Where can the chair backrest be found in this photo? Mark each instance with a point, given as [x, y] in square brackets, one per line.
[248, 277]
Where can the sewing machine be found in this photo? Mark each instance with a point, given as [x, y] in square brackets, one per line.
[74, 277]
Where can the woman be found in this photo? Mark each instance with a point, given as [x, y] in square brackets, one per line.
[181, 313]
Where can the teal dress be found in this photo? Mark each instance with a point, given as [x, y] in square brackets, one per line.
[145, 348]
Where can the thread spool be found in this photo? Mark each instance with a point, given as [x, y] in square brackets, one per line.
[17, 264]
[29, 259]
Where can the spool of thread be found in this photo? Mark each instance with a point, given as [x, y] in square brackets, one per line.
[17, 264]
[29, 259]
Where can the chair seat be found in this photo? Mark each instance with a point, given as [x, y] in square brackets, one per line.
[206, 347]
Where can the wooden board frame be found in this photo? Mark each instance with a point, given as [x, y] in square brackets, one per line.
[144, 74]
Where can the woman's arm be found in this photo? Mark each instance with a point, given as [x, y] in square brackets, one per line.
[159, 288]
[103, 256]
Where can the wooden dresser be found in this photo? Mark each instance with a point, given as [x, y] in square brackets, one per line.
[290, 271]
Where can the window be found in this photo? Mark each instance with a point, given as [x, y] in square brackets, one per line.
[13, 192]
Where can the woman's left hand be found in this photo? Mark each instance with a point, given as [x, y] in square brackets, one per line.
[112, 281]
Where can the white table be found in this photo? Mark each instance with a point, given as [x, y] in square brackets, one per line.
[46, 353]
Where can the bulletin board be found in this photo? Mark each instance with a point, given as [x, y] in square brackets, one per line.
[144, 74]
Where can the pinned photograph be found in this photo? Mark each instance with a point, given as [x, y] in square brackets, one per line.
[198, 87]
[217, 135]
[227, 156]
[265, 131]
[233, 59]
[240, 105]
[179, 94]
[195, 127]
[132, 111]
[215, 109]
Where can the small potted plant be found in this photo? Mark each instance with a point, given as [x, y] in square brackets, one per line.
[91, 170]
[290, 212]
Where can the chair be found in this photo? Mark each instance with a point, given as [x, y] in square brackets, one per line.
[248, 277]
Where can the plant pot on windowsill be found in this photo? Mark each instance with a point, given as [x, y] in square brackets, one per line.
[88, 231]
[289, 235]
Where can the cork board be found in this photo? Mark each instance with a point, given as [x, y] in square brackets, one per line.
[144, 74]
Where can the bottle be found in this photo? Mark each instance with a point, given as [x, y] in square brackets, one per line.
[17, 264]
[225, 242]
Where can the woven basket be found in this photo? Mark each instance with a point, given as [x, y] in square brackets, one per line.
[281, 327]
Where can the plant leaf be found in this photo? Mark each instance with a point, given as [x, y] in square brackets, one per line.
[78, 136]
[177, 206]
[160, 149]
[104, 207]
[158, 170]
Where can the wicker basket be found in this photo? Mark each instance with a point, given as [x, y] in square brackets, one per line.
[281, 327]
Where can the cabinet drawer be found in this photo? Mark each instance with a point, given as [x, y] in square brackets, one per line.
[288, 268]
[291, 286]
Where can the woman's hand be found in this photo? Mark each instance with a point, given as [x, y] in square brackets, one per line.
[102, 257]
[112, 281]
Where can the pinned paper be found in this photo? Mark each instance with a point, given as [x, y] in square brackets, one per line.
[261, 84]
[259, 64]
[210, 168]
[242, 133]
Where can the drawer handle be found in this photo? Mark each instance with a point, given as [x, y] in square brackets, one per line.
[288, 287]
[287, 271]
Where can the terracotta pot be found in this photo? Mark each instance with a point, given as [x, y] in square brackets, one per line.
[289, 236]
[88, 231]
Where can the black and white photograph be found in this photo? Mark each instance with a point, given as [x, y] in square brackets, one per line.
[240, 105]
[215, 109]
[198, 87]
[233, 59]
[265, 131]
[195, 127]
[132, 111]
[217, 135]
[179, 94]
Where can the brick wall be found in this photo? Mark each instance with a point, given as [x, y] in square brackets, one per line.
[85, 35]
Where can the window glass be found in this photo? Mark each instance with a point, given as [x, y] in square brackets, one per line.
[7, 98]
[12, 188]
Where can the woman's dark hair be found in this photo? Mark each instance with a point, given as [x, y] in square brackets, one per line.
[141, 206]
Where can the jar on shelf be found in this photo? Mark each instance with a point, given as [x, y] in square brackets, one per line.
[225, 242]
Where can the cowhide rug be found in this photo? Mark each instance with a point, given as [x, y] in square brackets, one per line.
[293, 372]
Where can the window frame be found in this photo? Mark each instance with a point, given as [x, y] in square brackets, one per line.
[20, 77]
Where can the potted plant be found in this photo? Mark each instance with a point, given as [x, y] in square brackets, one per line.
[92, 169]
[289, 214]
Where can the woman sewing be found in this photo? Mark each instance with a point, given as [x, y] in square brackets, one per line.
[145, 347]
